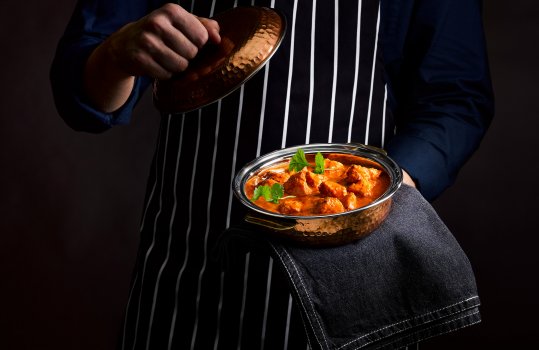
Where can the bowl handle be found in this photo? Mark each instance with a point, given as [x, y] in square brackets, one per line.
[273, 224]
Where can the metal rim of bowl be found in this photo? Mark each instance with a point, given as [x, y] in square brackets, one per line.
[369, 152]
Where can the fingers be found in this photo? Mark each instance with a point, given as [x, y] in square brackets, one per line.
[159, 60]
[187, 24]
[213, 29]
[162, 43]
[178, 42]
[138, 51]
[407, 179]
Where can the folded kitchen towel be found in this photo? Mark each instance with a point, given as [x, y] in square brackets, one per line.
[407, 281]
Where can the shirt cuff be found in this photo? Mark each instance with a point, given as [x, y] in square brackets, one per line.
[423, 162]
[121, 116]
[67, 85]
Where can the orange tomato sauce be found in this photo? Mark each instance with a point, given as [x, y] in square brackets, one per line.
[348, 182]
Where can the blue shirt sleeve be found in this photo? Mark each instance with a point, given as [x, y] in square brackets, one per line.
[442, 98]
[91, 23]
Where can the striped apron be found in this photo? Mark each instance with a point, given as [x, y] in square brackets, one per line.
[324, 84]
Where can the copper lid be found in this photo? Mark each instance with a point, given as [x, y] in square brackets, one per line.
[249, 37]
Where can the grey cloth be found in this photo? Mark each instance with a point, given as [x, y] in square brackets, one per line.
[407, 281]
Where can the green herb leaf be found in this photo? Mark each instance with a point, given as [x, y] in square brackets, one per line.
[319, 163]
[298, 161]
[272, 194]
[262, 191]
[277, 192]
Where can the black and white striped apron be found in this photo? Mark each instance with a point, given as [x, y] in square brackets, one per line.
[325, 84]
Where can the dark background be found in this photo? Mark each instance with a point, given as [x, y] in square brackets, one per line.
[70, 202]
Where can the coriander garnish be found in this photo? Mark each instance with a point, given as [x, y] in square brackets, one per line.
[270, 194]
[319, 163]
[298, 162]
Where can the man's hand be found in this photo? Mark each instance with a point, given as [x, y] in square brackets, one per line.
[162, 43]
[158, 45]
[407, 179]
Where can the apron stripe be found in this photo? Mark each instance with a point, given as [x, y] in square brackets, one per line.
[288, 316]
[164, 264]
[311, 74]
[208, 223]
[235, 155]
[384, 117]
[262, 109]
[152, 192]
[212, 9]
[266, 303]
[290, 70]
[372, 79]
[149, 201]
[244, 296]
[187, 235]
[219, 309]
[234, 159]
[335, 70]
[356, 71]
[127, 311]
[152, 245]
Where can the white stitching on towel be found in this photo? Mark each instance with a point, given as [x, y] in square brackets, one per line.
[430, 336]
[308, 297]
[412, 318]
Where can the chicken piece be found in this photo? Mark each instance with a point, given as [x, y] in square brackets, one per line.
[297, 185]
[350, 201]
[333, 169]
[363, 187]
[363, 178]
[357, 172]
[375, 173]
[290, 206]
[313, 180]
[332, 164]
[329, 205]
[332, 189]
[279, 176]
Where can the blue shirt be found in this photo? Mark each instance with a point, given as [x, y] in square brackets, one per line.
[436, 65]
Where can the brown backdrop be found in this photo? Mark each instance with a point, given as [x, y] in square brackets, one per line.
[70, 202]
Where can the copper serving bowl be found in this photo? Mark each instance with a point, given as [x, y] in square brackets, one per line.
[321, 230]
[249, 37]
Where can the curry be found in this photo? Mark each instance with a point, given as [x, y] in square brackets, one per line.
[323, 184]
